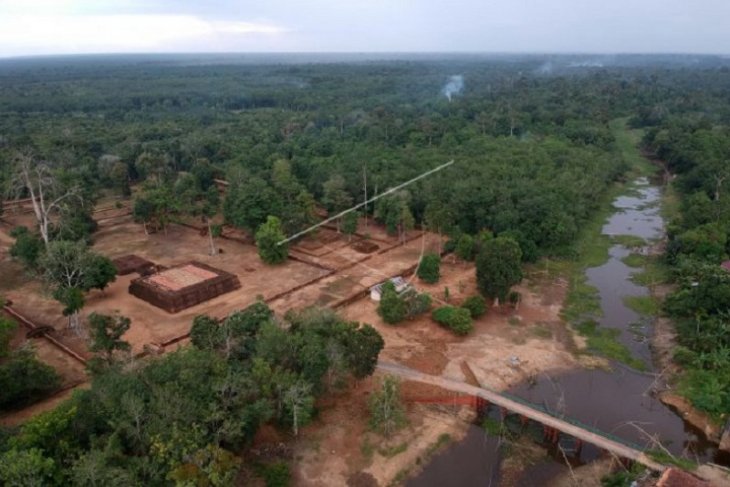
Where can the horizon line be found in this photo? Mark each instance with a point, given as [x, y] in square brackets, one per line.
[373, 53]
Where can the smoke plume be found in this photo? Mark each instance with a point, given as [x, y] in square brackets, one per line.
[453, 86]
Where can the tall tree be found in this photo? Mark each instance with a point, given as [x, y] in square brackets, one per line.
[106, 334]
[201, 203]
[249, 203]
[73, 270]
[335, 197]
[156, 206]
[44, 185]
[498, 267]
[438, 218]
[387, 414]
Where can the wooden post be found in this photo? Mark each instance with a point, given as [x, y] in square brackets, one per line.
[578, 447]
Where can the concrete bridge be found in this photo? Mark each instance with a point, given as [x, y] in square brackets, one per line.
[554, 426]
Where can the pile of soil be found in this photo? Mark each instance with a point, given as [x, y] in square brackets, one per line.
[365, 246]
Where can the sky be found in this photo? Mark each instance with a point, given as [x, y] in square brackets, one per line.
[41, 27]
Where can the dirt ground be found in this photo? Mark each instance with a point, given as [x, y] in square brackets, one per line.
[507, 345]
[339, 446]
[152, 325]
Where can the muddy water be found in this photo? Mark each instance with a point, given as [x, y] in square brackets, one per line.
[637, 215]
[618, 402]
[472, 462]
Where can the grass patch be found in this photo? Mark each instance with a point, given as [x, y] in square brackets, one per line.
[663, 457]
[393, 450]
[367, 449]
[635, 260]
[628, 241]
[655, 272]
[627, 142]
[443, 440]
[582, 300]
[671, 203]
[541, 331]
[644, 305]
[604, 341]
[492, 426]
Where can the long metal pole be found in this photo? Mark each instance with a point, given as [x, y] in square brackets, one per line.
[366, 202]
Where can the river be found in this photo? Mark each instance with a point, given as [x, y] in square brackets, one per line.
[617, 401]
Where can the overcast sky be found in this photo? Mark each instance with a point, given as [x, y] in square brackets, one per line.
[30, 27]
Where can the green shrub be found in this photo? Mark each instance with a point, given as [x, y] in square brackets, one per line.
[418, 304]
[392, 308]
[429, 270]
[276, 475]
[476, 305]
[457, 320]
[465, 247]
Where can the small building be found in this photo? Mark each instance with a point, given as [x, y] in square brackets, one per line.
[377, 290]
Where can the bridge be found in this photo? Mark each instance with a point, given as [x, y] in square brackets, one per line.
[524, 409]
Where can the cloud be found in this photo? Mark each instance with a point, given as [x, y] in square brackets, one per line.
[62, 33]
[247, 28]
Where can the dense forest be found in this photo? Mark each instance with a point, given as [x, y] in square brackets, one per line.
[534, 153]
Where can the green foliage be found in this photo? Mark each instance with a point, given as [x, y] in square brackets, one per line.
[27, 247]
[7, 329]
[249, 203]
[457, 320]
[76, 223]
[465, 247]
[706, 242]
[387, 413]
[71, 298]
[644, 305]
[349, 223]
[70, 265]
[476, 305]
[156, 205]
[604, 341]
[24, 379]
[26, 468]
[106, 334]
[362, 349]
[268, 237]
[276, 475]
[665, 458]
[418, 304]
[623, 477]
[499, 267]
[392, 308]
[429, 268]
[635, 260]
[709, 390]
[205, 333]
[335, 196]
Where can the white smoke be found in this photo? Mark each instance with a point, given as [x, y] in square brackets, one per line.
[545, 68]
[453, 86]
[586, 64]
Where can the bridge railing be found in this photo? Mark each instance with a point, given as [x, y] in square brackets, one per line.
[572, 421]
